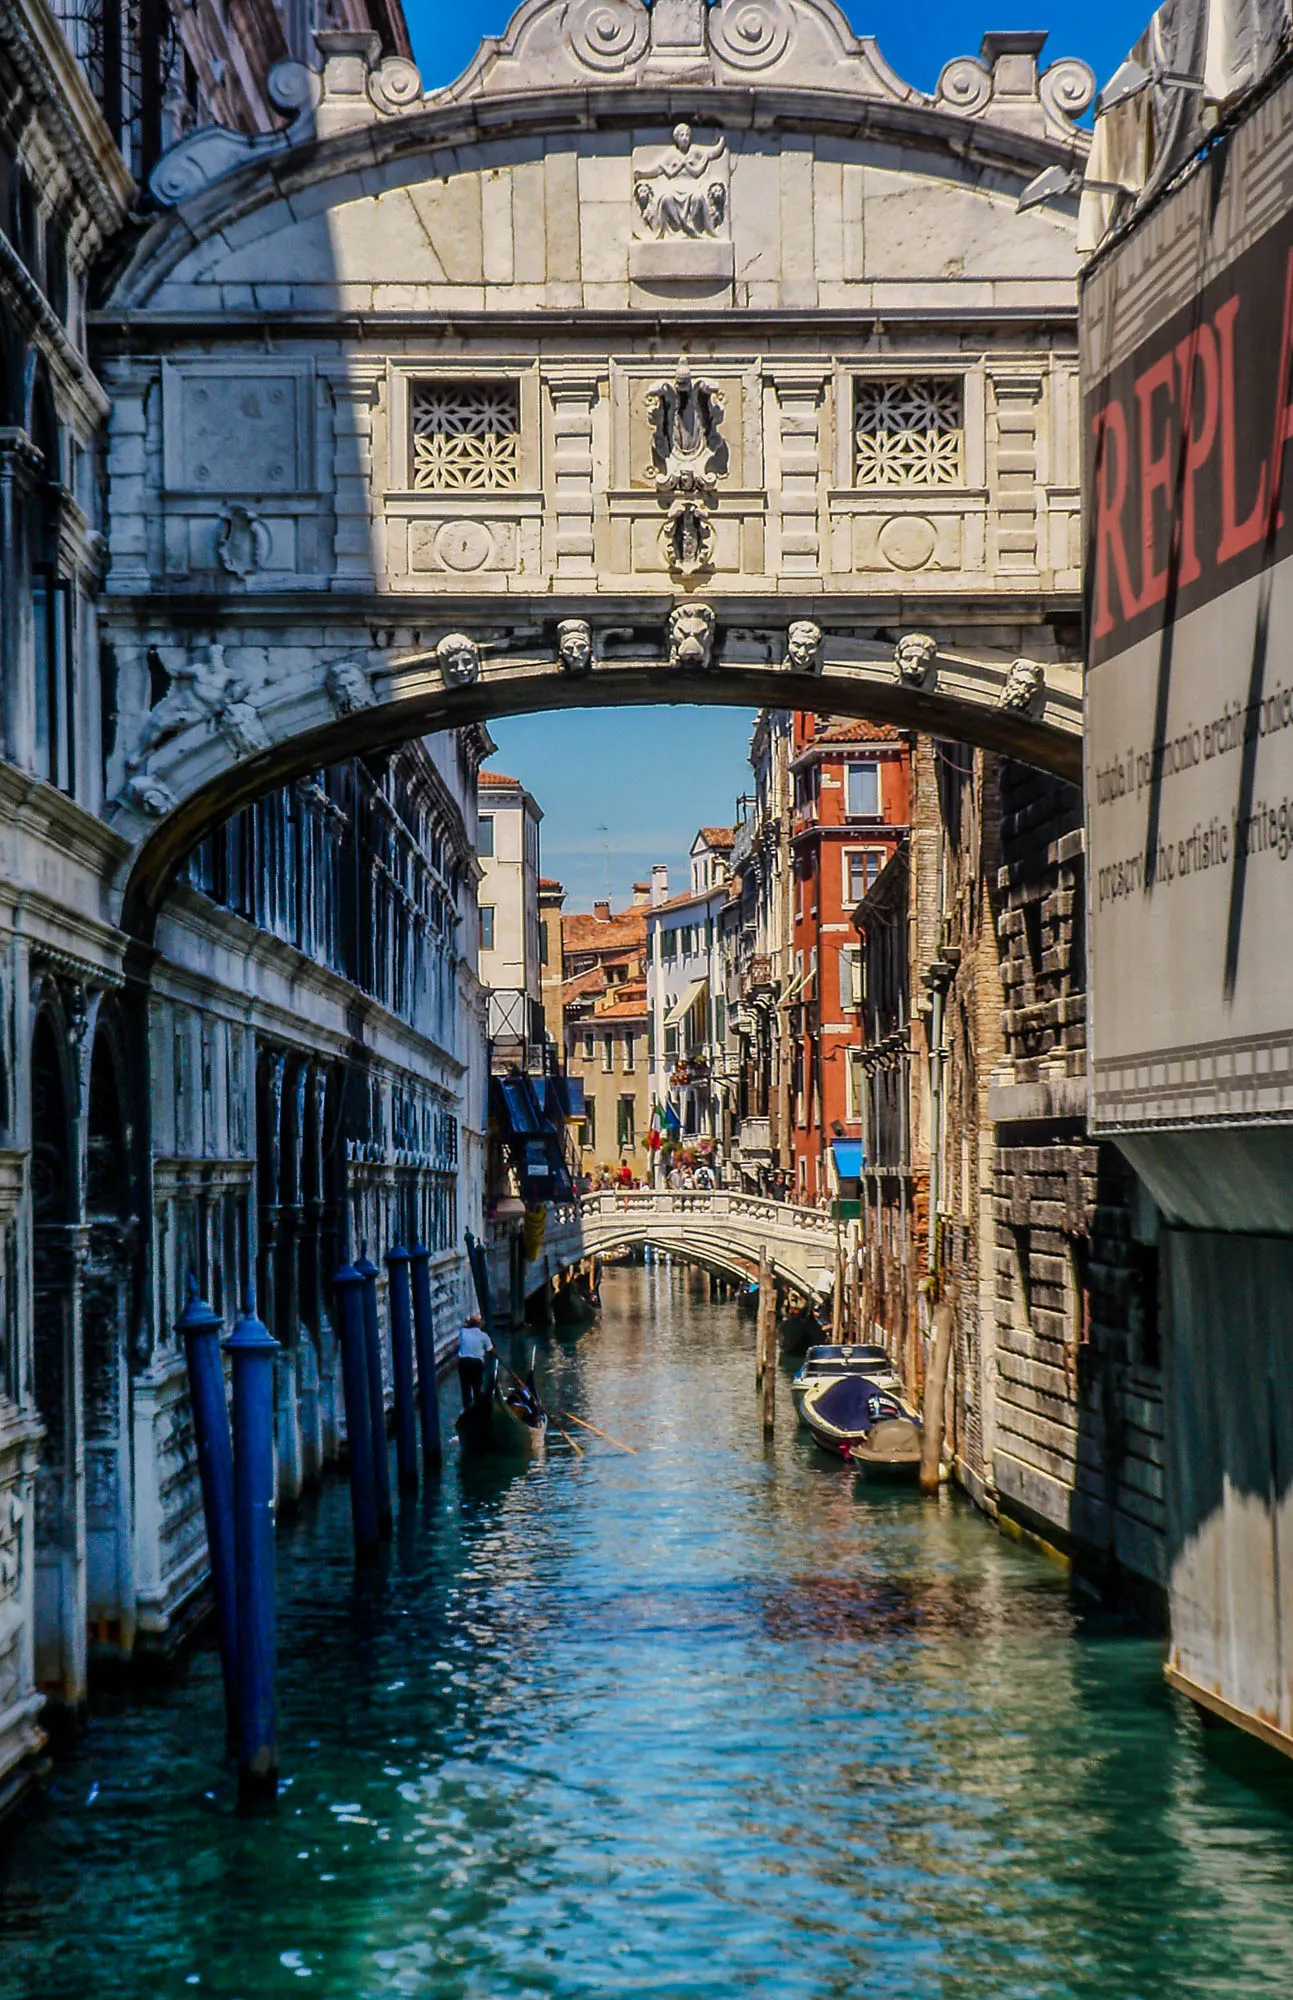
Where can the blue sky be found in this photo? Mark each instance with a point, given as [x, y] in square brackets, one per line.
[623, 788]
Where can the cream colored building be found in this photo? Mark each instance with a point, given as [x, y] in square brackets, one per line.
[507, 847]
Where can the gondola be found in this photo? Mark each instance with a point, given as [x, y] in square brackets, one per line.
[828, 1364]
[511, 1424]
[850, 1413]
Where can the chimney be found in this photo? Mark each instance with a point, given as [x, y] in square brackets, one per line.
[602, 912]
[641, 895]
[659, 883]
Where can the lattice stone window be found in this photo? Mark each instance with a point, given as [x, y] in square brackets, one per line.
[466, 436]
[908, 432]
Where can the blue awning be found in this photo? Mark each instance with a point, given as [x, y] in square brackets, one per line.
[849, 1158]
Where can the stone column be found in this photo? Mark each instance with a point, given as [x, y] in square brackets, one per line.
[60, 1594]
[358, 540]
[128, 471]
[1013, 478]
[19, 470]
[574, 399]
[795, 506]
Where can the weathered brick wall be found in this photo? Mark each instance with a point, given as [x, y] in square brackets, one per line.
[1075, 1428]
[1043, 970]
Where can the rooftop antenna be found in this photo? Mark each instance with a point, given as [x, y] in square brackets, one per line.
[605, 832]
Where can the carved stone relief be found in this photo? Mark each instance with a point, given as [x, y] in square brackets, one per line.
[148, 796]
[575, 646]
[1025, 688]
[608, 35]
[464, 548]
[687, 453]
[243, 543]
[459, 658]
[682, 190]
[200, 692]
[803, 647]
[349, 688]
[691, 635]
[686, 414]
[916, 658]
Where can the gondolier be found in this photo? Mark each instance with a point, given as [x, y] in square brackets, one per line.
[474, 1349]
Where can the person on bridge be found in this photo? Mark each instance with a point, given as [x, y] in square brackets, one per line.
[474, 1349]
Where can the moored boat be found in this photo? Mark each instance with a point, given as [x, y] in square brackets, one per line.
[891, 1448]
[828, 1364]
[843, 1411]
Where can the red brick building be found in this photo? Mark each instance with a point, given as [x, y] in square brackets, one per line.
[850, 811]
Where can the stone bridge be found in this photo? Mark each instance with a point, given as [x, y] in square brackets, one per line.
[671, 355]
[720, 1229]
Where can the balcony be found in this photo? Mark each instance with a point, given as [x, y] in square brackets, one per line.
[756, 1139]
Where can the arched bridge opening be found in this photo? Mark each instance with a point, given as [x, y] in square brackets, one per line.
[220, 749]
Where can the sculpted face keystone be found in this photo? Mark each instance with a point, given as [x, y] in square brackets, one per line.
[459, 659]
[575, 645]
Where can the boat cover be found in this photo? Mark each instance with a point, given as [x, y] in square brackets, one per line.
[846, 1405]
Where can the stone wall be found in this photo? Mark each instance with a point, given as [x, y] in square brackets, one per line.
[1077, 1408]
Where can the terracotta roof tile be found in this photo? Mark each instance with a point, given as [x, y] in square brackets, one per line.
[498, 778]
[580, 932]
[842, 731]
[583, 983]
[720, 837]
[622, 1010]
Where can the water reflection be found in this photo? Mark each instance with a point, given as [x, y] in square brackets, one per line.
[704, 1720]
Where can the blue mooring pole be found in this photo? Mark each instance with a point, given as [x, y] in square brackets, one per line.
[349, 1284]
[406, 1423]
[376, 1393]
[200, 1329]
[253, 1350]
[424, 1336]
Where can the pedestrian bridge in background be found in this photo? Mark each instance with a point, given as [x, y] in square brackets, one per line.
[721, 1229]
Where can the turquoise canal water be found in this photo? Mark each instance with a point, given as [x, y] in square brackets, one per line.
[702, 1722]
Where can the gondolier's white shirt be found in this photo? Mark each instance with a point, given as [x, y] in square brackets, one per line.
[473, 1343]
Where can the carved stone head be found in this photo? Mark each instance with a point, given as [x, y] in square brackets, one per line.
[682, 137]
[349, 687]
[459, 659]
[691, 635]
[575, 645]
[1025, 688]
[149, 795]
[804, 646]
[916, 658]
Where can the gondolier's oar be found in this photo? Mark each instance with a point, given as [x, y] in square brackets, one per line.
[571, 1418]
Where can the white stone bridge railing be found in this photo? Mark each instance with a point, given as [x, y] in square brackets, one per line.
[720, 1228]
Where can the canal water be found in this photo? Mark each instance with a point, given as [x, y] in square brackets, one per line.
[701, 1721]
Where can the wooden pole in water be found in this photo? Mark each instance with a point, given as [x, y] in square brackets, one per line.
[935, 1385]
[770, 1366]
[761, 1322]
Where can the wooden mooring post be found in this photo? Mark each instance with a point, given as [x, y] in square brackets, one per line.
[766, 1342]
[935, 1386]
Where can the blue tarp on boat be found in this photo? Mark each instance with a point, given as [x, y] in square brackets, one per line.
[846, 1404]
